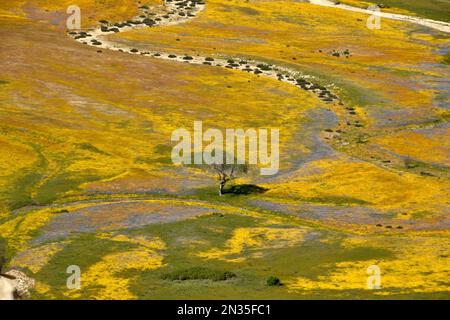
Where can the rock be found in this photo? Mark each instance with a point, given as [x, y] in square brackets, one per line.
[149, 22]
[21, 282]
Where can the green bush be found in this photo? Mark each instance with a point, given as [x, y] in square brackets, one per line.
[446, 59]
[264, 67]
[199, 273]
[273, 281]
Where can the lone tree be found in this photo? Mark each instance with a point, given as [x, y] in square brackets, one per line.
[228, 172]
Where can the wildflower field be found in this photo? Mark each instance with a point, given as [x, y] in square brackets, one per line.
[87, 179]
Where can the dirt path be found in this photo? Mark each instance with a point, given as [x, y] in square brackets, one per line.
[180, 11]
[437, 25]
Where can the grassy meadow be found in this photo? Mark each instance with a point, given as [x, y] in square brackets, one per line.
[86, 176]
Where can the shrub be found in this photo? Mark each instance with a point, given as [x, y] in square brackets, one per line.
[273, 282]
[199, 273]
[446, 59]
[264, 67]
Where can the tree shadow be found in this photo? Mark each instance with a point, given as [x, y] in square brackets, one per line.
[245, 189]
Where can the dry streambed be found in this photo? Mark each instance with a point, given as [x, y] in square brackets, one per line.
[128, 214]
[179, 11]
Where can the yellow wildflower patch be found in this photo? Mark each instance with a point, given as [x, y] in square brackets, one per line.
[255, 239]
[104, 275]
[424, 147]
[362, 182]
[36, 258]
[419, 266]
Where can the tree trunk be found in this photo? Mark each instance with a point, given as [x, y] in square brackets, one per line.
[222, 187]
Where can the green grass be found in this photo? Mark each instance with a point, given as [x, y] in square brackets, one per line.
[446, 59]
[90, 147]
[20, 193]
[55, 187]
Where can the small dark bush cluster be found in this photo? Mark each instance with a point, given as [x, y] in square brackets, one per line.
[264, 67]
[199, 273]
[273, 282]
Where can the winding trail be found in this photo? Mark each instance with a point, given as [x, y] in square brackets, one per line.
[437, 25]
[180, 11]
